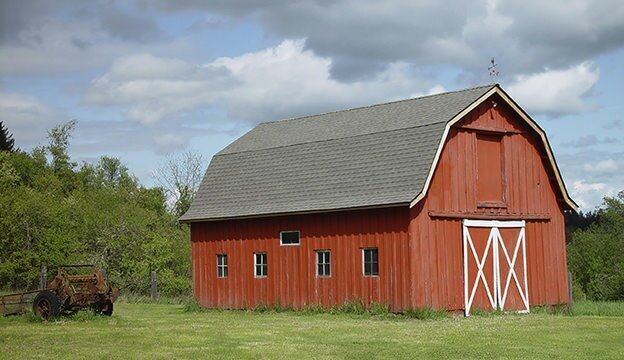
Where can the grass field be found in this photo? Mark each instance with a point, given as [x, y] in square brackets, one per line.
[158, 331]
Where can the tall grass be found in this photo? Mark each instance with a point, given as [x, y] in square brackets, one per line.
[358, 307]
[598, 308]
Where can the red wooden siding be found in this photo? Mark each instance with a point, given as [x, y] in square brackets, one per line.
[292, 277]
[420, 249]
[436, 241]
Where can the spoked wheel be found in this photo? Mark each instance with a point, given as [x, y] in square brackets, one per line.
[46, 305]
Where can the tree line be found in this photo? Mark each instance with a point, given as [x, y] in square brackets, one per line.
[55, 211]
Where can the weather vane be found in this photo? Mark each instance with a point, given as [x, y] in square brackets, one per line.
[493, 70]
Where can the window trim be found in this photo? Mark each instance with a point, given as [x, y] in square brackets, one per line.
[364, 262]
[255, 265]
[222, 266]
[290, 231]
[316, 254]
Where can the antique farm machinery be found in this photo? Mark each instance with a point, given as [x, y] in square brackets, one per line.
[75, 287]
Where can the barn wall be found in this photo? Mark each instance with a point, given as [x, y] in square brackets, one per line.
[292, 277]
[436, 241]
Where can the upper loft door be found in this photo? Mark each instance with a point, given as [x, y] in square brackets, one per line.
[490, 191]
[495, 271]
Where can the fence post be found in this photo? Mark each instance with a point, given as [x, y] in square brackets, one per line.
[43, 277]
[154, 292]
[570, 298]
[104, 275]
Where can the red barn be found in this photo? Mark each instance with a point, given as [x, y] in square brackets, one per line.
[452, 201]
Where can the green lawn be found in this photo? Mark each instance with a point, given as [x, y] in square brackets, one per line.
[148, 331]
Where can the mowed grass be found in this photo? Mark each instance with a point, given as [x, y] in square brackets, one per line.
[161, 331]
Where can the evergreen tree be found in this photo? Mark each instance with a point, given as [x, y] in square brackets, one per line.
[7, 143]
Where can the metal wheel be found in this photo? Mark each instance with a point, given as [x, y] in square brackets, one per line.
[105, 308]
[46, 305]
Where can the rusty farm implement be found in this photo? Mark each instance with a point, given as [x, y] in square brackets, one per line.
[75, 287]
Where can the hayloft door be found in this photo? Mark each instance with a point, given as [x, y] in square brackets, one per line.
[495, 272]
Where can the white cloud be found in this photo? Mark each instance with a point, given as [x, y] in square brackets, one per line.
[556, 92]
[26, 117]
[281, 81]
[608, 166]
[157, 87]
[437, 89]
[53, 45]
[364, 35]
[589, 194]
[591, 174]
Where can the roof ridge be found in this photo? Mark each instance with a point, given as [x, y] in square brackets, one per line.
[375, 105]
[332, 139]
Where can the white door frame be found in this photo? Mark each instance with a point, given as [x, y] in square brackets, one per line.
[495, 241]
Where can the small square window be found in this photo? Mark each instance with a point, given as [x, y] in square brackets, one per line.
[323, 263]
[222, 266]
[370, 262]
[289, 238]
[260, 265]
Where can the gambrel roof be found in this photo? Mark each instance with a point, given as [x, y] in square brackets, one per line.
[372, 156]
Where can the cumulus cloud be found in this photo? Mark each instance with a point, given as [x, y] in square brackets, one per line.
[157, 87]
[128, 26]
[26, 117]
[587, 193]
[281, 81]
[556, 92]
[44, 43]
[361, 37]
[592, 174]
[608, 166]
[55, 46]
[364, 36]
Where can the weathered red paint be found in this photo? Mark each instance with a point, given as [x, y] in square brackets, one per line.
[292, 277]
[529, 189]
[420, 255]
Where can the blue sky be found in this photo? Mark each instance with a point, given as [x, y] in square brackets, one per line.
[147, 78]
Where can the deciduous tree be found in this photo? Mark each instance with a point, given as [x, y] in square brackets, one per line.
[180, 177]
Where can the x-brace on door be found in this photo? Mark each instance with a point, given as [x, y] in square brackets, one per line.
[495, 271]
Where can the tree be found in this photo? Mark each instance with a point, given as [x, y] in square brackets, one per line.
[53, 213]
[596, 255]
[107, 172]
[580, 220]
[58, 138]
[180, 177]
[7, 143]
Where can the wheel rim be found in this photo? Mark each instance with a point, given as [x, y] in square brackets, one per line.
[43, 308]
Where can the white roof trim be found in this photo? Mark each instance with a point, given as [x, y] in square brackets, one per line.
[496, 90]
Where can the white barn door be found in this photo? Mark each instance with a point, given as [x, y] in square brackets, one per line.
[495, 271]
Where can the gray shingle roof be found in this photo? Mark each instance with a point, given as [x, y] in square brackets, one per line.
[369, 156]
